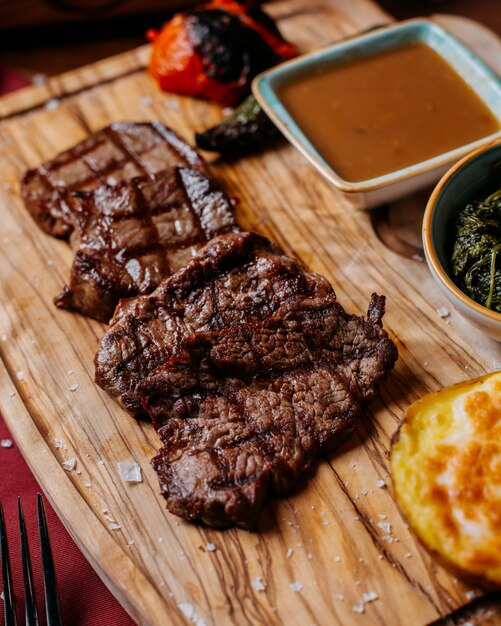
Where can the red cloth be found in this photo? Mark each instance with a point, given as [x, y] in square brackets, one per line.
[85, 601]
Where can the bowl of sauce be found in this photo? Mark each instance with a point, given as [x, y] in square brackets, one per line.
[462, 237]
[386, 113]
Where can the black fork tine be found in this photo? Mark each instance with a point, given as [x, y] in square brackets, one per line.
[52, 607]
[30, 603]
[8, 597]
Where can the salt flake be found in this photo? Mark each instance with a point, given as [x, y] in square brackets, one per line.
[69, 464]
[385, 527]
[370, 596]
[289, 553]
[258, 584]
[130, 471]
[380, 483]
[6, 443]
[20, 375]
[296, 586]
[359, 608]
[211, 547]
[114, 526]
[443, 312]
[74, 387]
[52, 104]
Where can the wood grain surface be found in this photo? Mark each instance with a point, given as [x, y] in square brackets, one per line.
[340, 536]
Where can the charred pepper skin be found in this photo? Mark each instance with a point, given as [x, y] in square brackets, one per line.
[215, 51]
[247, 129]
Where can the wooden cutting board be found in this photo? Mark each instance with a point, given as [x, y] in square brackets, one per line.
[341, 536]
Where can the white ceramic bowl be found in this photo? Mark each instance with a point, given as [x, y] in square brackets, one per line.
[369, 193]
[470, 179]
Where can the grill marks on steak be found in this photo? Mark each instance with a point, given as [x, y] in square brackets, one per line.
[237, 278]
[118, 152]
[131, 236]
[246, 411]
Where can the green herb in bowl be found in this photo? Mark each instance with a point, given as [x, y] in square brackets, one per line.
[476, 255]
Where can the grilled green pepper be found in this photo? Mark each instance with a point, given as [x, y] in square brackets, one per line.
[247, 129]
[476, 255]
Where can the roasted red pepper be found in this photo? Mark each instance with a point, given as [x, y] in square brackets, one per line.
[215, 51]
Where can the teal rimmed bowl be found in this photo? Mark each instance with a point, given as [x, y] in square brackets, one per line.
[473, 178]
[397, 184]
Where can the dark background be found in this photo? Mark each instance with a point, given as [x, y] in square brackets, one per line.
[54, 48]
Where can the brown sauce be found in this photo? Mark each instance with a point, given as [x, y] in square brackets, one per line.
[387, 111]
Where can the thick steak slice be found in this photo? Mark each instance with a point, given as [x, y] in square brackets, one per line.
[131, 236]
[236, 278]
[247, 411]
[118, 152]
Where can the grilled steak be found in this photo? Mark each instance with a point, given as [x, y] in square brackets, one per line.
[237, 278]
[118, 152]
[132, 235]
[247, 410]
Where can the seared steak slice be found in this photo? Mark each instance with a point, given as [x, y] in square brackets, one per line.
[246, 411]
[236, 278]
[118, 152]
[131, 236]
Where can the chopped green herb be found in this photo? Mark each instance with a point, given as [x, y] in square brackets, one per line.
[476, 256]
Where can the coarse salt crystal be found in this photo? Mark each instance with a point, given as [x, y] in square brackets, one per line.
[50, 261]
[38, 79]
[52, 104]
[364, 491]
[443, 312]
[130, 471]
[70, 464]
[108, 518]
[338, 559]
[20, 375]
[385, 526]
[59, 443]
[470, 594]
[408, 555]
[6, 443]
[131, 542]
[160, 540]
[4, 338]
[382, 516]
[87, 484]
[359, 608]
[114, 526]
[387, 538]
[370, 596]
[258, 584]
[296, 586]
[380, 483]
[74, 387]
[289, 553]
[211, 547]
